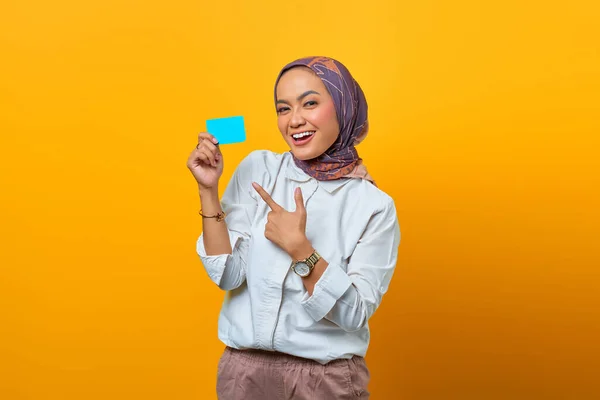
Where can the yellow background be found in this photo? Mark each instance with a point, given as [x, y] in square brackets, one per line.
[485, 119]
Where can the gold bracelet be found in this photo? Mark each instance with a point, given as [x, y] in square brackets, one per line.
[220, 216]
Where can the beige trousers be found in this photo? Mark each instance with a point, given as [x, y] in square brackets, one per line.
[262, 375]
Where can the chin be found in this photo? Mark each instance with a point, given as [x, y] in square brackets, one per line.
[305, 154]
[311, 150]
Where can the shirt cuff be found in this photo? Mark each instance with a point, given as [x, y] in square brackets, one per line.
[215, 264]
[329, 288]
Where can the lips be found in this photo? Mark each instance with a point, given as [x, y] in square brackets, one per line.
[301, 138]
[302, 135]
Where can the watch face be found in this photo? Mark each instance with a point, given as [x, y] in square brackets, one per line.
[302, 269]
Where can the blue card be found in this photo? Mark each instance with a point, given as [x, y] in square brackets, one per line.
[227, 130]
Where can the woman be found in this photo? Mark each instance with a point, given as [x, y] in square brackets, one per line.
[303, 242]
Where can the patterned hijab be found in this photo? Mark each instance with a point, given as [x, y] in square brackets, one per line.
[341, 160]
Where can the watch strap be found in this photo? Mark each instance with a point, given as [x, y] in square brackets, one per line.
[313, 259]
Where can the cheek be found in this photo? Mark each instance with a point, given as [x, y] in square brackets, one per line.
[282, 124]
[326, 120]
[325, 115]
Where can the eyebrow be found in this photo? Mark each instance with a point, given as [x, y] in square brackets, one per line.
[303, 95]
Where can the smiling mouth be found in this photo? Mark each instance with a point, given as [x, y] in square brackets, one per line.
[303, 136]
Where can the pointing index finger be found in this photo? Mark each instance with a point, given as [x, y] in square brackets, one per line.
[266, 197]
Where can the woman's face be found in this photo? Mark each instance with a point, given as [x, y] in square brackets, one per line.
[305, 113]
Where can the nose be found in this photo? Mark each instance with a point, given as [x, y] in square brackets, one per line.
[297, 119]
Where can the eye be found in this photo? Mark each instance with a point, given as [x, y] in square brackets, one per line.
[282, 109]
[310, 103]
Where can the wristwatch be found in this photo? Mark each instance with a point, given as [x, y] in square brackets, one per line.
[304, 267]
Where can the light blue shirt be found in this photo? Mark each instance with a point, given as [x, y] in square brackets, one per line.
[350, 222]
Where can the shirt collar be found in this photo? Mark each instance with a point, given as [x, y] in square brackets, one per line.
[296, 174]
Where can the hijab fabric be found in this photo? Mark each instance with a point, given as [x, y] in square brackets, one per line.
[341, 160]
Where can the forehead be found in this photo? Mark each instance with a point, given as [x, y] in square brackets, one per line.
[297, 81]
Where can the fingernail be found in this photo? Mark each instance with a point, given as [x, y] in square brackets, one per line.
[215, 141]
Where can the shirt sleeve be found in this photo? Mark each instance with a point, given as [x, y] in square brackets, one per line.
[349, 297]
[228, 271]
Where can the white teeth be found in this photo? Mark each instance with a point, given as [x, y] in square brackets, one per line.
[302, 134]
